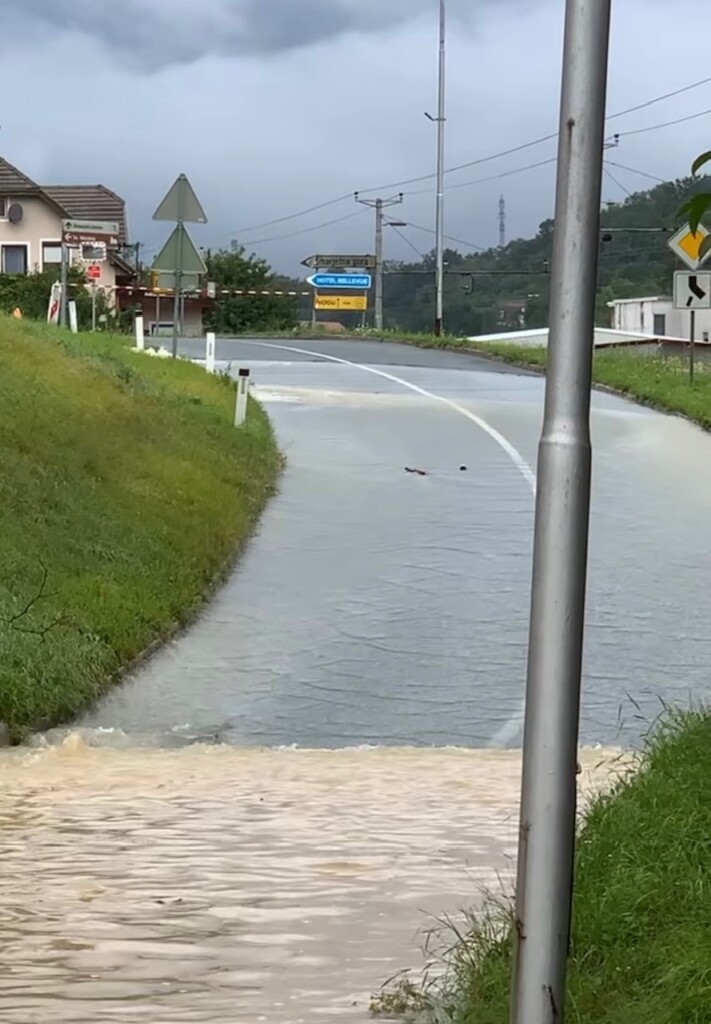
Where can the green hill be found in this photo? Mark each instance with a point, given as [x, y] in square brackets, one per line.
[509, 287]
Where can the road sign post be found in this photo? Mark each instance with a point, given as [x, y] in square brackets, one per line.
[686, 244]
[692, 290]
[341, 302]
[210, 352]
[64, 275]
[355, 281]
[242, 396]
[91, 232]
[182, 206]
[546, 846]
[341, 261]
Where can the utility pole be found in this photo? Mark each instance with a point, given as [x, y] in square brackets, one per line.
[379, 205]
[439, 211]
[544, 889]
[502, 222]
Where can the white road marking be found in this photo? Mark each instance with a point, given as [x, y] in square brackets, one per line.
[513, 727]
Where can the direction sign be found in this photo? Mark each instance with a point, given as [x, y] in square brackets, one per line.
[340, 262]
[181, 204]
[80, 232]
[341, 302]
[692, 291]
[686, 245]
[340, 280]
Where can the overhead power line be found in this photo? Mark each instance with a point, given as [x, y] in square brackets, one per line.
[633, 170]
[304, 231]
[450, 238]
[665, 124]
[488, 159]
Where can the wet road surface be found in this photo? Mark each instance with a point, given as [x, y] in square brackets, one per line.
[379, 613]
[377, 606]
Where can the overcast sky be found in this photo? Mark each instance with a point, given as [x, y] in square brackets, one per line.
[273, 106]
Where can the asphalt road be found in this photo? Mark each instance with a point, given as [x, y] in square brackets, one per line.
[375, 353]
[377, 606]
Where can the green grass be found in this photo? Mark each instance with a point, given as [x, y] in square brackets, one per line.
[641, 950]
[125, 492]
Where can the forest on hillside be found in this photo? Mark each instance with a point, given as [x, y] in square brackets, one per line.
[508, 288]
[501, 289]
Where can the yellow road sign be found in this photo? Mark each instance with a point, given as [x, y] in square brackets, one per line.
[686, 245]
[341, 302]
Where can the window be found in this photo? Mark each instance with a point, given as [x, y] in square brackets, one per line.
[660, 324]
[4, 203]
[51, 255]
[14, 259]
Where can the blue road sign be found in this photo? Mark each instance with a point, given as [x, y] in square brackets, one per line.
[340, 280]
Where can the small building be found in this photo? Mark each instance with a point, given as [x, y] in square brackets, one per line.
[31, 218]
[158, 307]
[656, 317]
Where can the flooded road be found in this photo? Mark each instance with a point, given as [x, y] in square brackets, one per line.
[259, 825]
[234, 886]
[377, 606]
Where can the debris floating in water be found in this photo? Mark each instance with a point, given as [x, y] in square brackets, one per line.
[417, 472]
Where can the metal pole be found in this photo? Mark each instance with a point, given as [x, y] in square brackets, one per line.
[314, 311]
[64, 307]
[439, 221]
[379, 206]
[692, 345]
[378, 318]
[93, 305]
[548, 800]
[178, 275]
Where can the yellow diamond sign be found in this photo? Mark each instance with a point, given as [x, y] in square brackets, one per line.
[686, 245]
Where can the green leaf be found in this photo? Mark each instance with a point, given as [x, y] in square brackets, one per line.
[700, 161]
[695, 208]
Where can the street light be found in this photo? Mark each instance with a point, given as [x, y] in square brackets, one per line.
[439, 215]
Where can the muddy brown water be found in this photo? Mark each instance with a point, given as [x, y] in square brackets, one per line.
[213, 884]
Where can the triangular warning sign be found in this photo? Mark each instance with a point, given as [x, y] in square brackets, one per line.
[179, 254]
[181, 204]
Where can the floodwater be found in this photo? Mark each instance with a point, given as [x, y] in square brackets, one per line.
[232, 886]
[377, 606]
[261, 823]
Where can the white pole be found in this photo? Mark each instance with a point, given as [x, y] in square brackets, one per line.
[210, 353]
[73, 322]
[242, 393]
[544, 889]
[140, 339]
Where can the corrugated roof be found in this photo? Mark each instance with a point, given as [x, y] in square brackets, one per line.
[90, 202]
[15, 183]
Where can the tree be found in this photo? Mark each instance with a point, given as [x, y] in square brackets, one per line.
[698, 206]
[234, 271]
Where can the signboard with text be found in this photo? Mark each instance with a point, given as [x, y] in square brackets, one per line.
[341, 302]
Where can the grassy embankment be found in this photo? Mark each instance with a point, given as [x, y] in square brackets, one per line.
[125, 492]
[641, 950]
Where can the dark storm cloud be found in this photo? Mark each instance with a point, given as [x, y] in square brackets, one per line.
[153, 34]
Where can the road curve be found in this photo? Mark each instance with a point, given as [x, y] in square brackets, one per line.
[378, 606]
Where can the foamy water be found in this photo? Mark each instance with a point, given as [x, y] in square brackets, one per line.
[234, 885]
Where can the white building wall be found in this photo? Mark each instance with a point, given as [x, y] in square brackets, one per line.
[657, 317]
